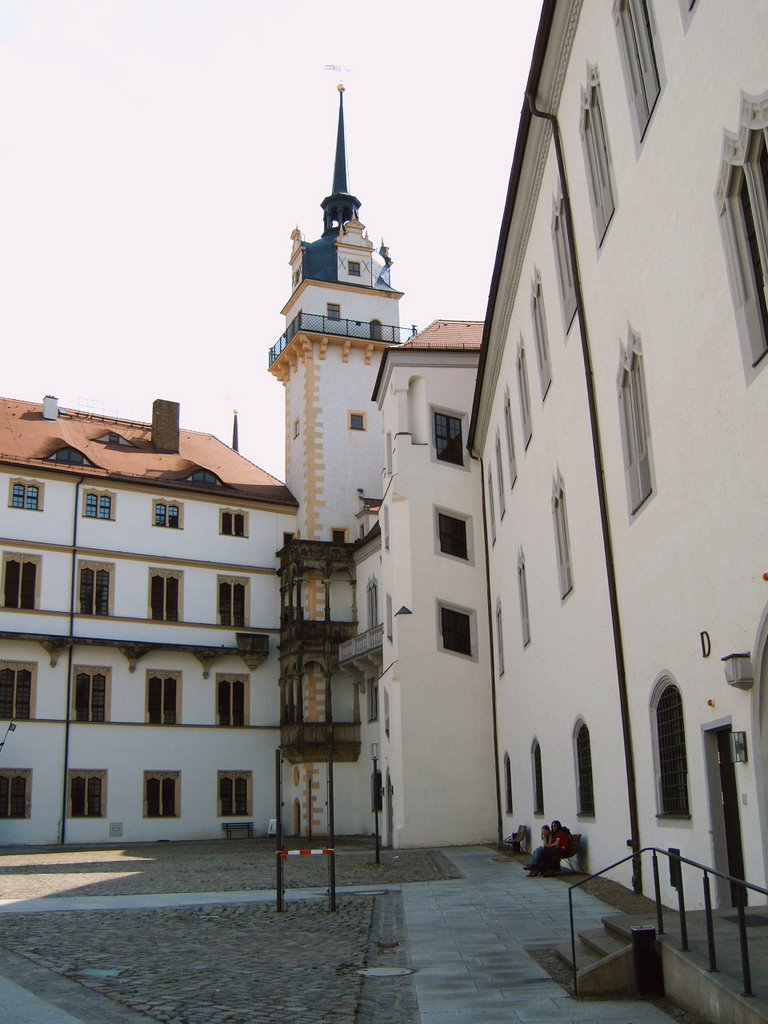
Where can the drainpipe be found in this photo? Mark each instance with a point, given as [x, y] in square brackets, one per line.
[67, 713]
[499, 820]
[610, 568]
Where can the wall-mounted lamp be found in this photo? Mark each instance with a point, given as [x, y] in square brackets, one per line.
[738, 670]
[739, 747]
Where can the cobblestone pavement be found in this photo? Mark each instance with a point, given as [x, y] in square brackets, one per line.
[222, 964]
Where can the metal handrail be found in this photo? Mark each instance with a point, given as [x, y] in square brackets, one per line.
[368, 330]
[675, 858]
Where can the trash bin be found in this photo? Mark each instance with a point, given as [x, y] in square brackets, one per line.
[647, 960]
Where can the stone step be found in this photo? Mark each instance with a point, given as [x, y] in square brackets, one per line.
[603, 942]
[585, 957]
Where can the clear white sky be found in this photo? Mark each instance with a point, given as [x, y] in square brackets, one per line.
[156, 154]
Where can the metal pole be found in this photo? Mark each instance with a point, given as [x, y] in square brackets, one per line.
[278, 831]
[331, 836]
[708, 919]
[746, 972]
[657, 894]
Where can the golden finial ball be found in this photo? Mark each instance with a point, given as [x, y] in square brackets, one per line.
[340, 87]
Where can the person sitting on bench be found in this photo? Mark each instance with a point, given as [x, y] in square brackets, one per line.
[546, 859]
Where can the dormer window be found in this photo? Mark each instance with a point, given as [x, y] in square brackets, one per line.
[70, 457]
[113, 438]
[354, 268]
[204, 476]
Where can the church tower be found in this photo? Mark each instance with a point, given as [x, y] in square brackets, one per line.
[341, 315]
[342, 312]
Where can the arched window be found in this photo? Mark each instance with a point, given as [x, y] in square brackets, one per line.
[538, 783]
[508, 783]
[673, 761]
[586, 792]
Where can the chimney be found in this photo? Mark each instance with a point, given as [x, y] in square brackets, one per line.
[50, 408]
[165, 426]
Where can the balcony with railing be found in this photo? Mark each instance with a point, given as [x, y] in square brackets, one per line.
[362, 644]
[365, 330]
[302, 742]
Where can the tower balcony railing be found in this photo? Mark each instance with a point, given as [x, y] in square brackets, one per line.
[366, 330]
[362, 644]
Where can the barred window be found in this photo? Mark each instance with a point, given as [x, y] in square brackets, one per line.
[673, 760]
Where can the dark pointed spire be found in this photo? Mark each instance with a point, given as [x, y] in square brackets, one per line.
[235, 440]
[340, 165]
[340, 206]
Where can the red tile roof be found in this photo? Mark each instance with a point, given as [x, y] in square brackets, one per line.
[26, 439]
[462, 334]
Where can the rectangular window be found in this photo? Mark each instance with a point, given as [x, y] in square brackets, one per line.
[500, 477]
[499, 641]
[165, 595]
[525, 396]
[455, 630]
[92, 686]
[388, 611]
[233, 524]
[448, 443]
[540, 334]
[562, 542]
[357, 421]
[20, 580]
[338, 536]
[235, 790]
[97, 505]
[510, 438]
[164, 699]
[452, 535]
[522, 587]
[231, 700]
[333, 311]
[597, 155]
[372, 695]
[17, 681]
[233, 601]
[565, 271]
[634, 427]
[15, 793]
[168, 514]
[373, 604]
[639, 57]
[87, 793]
[162, 796]
[95, 588]
[354, 268]
[491, 507]
[25, 495]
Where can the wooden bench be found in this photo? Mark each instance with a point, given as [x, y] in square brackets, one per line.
[237, 828]
[516, 842]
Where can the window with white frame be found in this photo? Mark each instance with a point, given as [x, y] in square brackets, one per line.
[540, 334]
[525, 395]
[373, 602]
[522, 589]
[388, 613]
[538, 779]
[235, 793]
[15, 792]
[562, 541]
[583, 752]
[499, 639]
[500, 477]
[448, 442]
[92, 694]
[456, 629]
[162, 794]
[87, 793]
[491, 508]
[597, 154]
[510, 438]
[452, 535]
[565, 270]
[742, 199]
[640, 58]
[372, 699]
[672, 763]
[26, 495]
[634, 423]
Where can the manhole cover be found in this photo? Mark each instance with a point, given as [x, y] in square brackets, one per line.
[384, 972]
